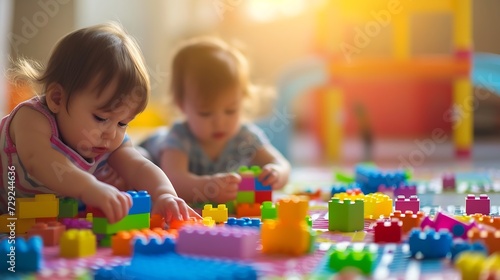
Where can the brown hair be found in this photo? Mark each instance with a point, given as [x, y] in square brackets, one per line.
[211, 64]
[104, 52]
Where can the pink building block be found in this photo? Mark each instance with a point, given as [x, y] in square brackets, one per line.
[404, 204]
[226, 242]
[477, 205]
[443, 221]
[247, 182]
[405, 190]
[448, 182]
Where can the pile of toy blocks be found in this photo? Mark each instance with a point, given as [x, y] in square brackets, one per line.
[251, 192]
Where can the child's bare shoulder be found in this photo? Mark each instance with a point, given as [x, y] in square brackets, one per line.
[29, 119]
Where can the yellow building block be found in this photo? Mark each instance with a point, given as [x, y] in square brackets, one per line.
[40, 206]
[20, 225]
[492, 264]
[77, 243]
[376, 205]
[292, 210]
[208, 221]
[351, 196]
[470, 265]
[219, 214]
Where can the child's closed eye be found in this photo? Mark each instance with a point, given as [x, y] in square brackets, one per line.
[205, 114]
[99, 119]
[230, 112]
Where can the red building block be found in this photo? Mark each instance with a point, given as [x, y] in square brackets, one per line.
[261, 196]
[50, 232]
[477, 205]
[388, 231]
[407, 204]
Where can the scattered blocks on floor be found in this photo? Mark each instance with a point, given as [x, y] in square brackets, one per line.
[135, 221]
[404, 204]
[346, 215]
[76, 243]
[363, 260]
[244, 222]
[377, 205]
[387, 231]
[68, 207]
[248, 210]
[459, 247]
[489, 238]
[268, 211]
[40, 206]
[409, 219]
[79, 223]
[443, 221]
[141, 202]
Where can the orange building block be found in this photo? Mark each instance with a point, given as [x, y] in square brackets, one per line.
[248, 210]
[177, 224]
[409, 219]
[491, 239]
[157, 221]
[487, 220]
[45, 220]
[122, 243]
[50, 232]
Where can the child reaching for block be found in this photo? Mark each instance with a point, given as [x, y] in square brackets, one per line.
[94, 84]
[210, 83]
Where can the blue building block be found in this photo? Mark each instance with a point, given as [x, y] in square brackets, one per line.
[260, 187]
[25, 258]
[244, 222]
[370, 178]
[430, 244]
[459, 247]
[141, 202]
[154, 246]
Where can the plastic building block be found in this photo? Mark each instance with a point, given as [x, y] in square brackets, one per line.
[443, 221]
[493, 222]
[70, 223]
[260, 187]
[290, 233]
[448, 182]
[245, 197]
[141, 202]
[136, 221]
[407, 204]
[21, 255]
[219, 214]
[346, 216]
[387, 231]
[370, 178]
[96, 212]
[470, 265]
[405, 190]
[50, 233]
[122, 243]
[340, 259]
[247, 179]
[377, 205]
[477, 205]
[349, 195]
[105, 240]
[40, 206]
[386, 190]
[45, 220]
[492, 265]
[8, 223]
[430, 244]
[68, 207]
[410, 220]
[248, 210]
[224, 242]
[175, 266]
[208, 222]
[261, 196]
[243, 222]
[460, 246]
[491, 239]
[338, 189]
[156, 221]
[77, 243]
[231, 207]
[177, 224]
[154, 246]
[268, 211]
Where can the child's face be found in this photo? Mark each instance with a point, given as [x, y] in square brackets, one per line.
[216, 121]
[90, 130]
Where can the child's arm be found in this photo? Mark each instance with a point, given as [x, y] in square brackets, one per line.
[140, 173]
[218, 188]
[30, 130]
[275, 167]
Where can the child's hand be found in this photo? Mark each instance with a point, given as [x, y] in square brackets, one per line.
[112, 202]
[225, 187]
[270, 175]
[173, 208]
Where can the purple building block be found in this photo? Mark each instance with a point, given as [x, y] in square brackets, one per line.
[404, 204]
[405, 190]
[226, 242]
[76, 223]
[449, 182]
[443, 221]
[477, 205]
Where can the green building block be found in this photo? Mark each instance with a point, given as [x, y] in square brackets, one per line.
[256, 170]
[68, 208]
[231, 207]
[362, 260]
[346, 215]
[105, 241]
[309, 221]
[135, 221]
[245, 197]
[268, 211]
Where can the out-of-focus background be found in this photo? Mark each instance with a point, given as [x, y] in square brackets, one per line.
[298, 47]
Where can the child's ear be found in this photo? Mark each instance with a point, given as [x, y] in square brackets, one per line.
[55, 98]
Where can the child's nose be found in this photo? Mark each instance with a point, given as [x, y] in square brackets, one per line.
[109, 133]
